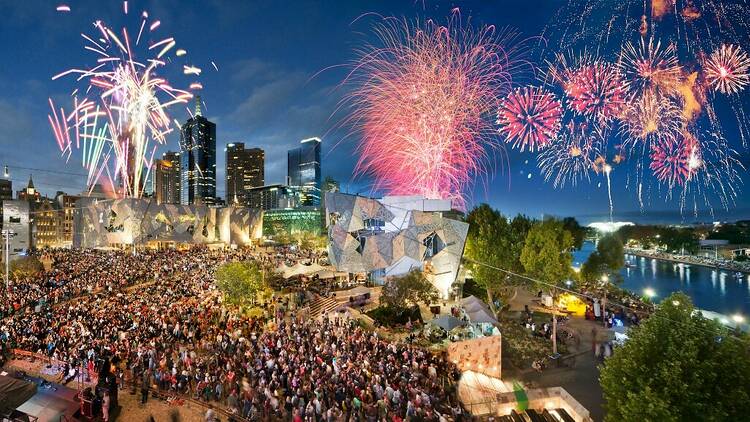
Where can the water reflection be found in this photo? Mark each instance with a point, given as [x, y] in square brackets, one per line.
[709, 288]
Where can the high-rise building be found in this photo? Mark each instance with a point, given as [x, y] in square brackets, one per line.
[198, 160]
[271, 197]
[245, 170]
[303, 171]
[167, 178]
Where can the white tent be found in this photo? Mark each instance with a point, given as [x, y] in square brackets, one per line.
[356, 291]
[481, 316]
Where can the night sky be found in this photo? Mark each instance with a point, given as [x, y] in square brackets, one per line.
[270, 92]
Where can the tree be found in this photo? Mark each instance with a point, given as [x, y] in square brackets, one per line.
[546, 256]
[494, 242]
[240, 282]
[608, 259]
[410, 289]
[25, 266]
[678, 366]
[576, 230]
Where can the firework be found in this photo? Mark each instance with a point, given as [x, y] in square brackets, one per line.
[423, 101]
[596, 91]
[674, 163]
[727, 69]
[648, 69]
[570, 159]
[115, 127]
[529, 117]
[651, 119]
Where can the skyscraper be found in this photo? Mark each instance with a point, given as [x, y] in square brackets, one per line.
[303, 171]
[198, 160]
[245, 170]
[167, 178]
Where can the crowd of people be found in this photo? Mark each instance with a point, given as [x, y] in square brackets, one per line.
[161, 322]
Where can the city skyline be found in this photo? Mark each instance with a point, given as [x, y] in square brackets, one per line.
[278, 92]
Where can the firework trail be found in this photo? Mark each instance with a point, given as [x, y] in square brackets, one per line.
[570, 159]
[424, 99]
[529, 117]
[115, 126]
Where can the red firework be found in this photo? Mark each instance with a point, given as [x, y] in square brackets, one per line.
[596, 90]
[529, 117]
[727, 69]
[422, 102]
[675, 163]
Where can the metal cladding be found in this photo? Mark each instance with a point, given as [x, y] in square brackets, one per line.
[101, 223]
[395, 235]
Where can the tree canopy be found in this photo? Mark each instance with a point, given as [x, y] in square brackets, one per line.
[546, 253]
[496, 241]
[25, 266]
[678, 366]
[608, 258]
[240, 282]
[410, 289]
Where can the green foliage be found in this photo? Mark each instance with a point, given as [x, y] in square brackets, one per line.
[609, 258]
[410, 289]
[25, 266]
[240, 282]
[576, 230]
[390, 316]
[546, 253]
[678, 366]
[498, 242]
[673, 239]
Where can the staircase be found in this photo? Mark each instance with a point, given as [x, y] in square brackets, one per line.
[321, 305]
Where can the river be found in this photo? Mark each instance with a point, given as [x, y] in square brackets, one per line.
[710, 289]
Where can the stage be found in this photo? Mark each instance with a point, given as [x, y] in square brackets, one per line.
[51, 401]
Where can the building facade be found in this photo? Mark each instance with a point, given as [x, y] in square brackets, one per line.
[290, 222]
[47, 224]
[66, 206]
[303, 171]
[271, 197]
[6, 194]
[131, 221]
[29, 193]
[198, 160]
[166, 178]
[394, 235]
[16, 220]
[245, 170]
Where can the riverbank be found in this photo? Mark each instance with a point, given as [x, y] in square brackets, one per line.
[742, 267]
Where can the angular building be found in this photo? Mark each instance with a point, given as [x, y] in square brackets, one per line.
[198, 160]
[16, 220]
[394, 235]
[130, 221]
[303, 171]
[166, 178]
[245, 170]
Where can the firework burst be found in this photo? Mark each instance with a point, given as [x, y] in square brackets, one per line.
[423, 100]
[651, 119]
[530, 118]
[727, 69]
[648, 69]
[570, 159]
[116, 127]
[596, 91]
[674, 163]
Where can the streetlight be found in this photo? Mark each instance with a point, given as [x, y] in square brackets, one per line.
[649, 292]
[6, 172]
[737, 318]
[605, 280]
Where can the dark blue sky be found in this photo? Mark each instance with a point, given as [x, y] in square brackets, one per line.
[264, 93]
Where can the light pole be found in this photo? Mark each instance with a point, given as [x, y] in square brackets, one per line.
[7, 234]
[650, 294]
[605, 280]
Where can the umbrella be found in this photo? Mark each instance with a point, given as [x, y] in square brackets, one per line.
[481, 316]
[447, 322]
